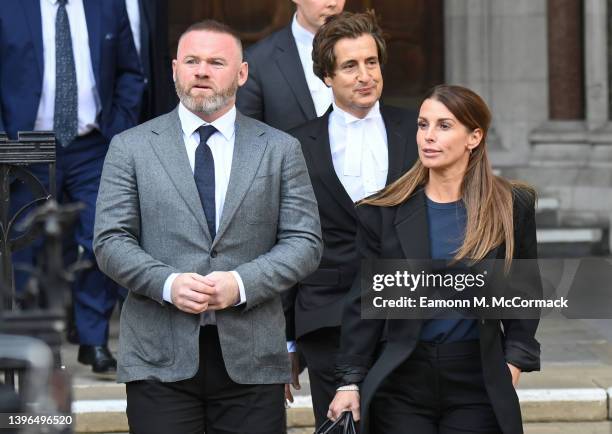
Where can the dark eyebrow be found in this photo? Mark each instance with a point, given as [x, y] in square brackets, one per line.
[346, 62]
[438, 120]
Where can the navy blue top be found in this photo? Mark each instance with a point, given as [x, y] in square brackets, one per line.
[446, 231]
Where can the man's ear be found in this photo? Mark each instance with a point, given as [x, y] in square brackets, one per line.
[243, 73]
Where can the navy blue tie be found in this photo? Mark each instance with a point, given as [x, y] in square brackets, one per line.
[204, 174]
[65, 117]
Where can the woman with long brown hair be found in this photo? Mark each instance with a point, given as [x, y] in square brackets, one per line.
[441, 375]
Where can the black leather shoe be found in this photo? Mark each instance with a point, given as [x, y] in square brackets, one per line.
[99, 357]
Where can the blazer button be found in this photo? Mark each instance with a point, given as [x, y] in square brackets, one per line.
[213, 254]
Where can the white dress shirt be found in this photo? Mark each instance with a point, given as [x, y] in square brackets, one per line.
[322, 95]
[133, 11]
[359, 151]
[88, 101]
[221, 144]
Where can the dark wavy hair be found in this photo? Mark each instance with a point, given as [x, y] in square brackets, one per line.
[344, 25]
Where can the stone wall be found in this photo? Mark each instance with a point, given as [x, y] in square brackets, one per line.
[500, 49]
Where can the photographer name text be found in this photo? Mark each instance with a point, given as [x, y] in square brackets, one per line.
[475, 302]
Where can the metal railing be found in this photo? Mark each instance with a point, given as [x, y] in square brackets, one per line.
[32, 322]
[37, 147]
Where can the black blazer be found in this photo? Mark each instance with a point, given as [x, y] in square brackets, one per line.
[276, 91]
[319, 299]
[372, 349]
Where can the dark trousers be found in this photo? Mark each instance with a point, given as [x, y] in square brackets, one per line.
[79, 167]
[209, 402]
[438, 390]
[319, 349]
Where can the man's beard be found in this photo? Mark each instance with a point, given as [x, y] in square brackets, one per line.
[206, 104]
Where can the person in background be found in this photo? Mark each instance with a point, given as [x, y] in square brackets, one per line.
[282, 89]
[451, 375]
[356, 148]
[70, 66]
[149, 24]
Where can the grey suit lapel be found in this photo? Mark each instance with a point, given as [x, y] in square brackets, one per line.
[168, 145]
[249, 147]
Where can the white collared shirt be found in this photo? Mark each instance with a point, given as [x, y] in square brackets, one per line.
[133, 11]
[88, 101]
[322, 95]
[359, 151]
[221, 144]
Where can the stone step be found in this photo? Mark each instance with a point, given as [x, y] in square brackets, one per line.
[534, 428]
[537, 406]
[547, 212]
[563, 242]
[547, 203]
[568, 428]
[561, 235]
[573, 196]
[568, 235]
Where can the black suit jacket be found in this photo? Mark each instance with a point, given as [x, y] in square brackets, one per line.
[319, 299]
[160, 96]
[374, 348]
[276, 91]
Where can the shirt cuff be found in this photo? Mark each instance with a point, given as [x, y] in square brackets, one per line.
[291, 347]
[240, 288]
[168, 287]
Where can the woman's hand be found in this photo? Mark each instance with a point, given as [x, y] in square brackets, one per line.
[344, 401]
[515, 372]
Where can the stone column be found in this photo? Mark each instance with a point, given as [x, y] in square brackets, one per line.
[467, 50]
[467, 45]
[498, 49]
[565, 60]
[596, 63]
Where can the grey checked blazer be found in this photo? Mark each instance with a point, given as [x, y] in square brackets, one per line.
[150, 223]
